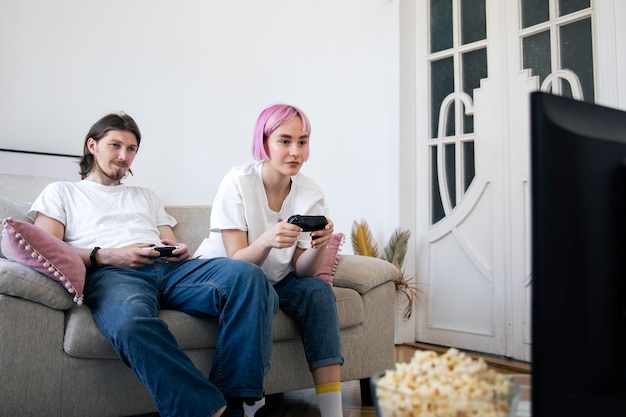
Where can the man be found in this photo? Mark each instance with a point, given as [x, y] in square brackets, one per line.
[113, 227]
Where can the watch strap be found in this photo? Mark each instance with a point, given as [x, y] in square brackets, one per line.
[92, 258]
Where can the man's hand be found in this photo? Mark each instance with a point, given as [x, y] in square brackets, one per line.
[135, 256]
[179, 254]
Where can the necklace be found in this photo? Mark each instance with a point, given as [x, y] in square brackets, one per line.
[275, 203]
[276, 208]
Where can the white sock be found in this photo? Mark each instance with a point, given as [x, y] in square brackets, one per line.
[249, 410]
[329, 399]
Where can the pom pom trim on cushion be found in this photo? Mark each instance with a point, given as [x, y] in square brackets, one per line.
[327, 269]
[11, 233]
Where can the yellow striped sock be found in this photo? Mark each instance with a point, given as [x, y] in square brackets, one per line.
[330, 387]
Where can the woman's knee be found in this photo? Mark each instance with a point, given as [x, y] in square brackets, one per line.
[320, 291]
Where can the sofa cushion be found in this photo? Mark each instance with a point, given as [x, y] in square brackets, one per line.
[83, 338]
[21, 281]
[15, 209]
[34, 247]
[362, 273]
[328, 267]
[193, 224]
[349, 307]
[24, 187]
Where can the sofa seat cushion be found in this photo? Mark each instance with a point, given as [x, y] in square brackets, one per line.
[349, 308]
[83, 338]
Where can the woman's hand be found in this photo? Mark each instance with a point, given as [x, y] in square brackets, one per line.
[281, 235]
[307, 262]
[320, 238]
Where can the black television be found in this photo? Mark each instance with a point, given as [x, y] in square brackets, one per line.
[578, 305]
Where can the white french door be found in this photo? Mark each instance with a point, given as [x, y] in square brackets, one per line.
[476, 63]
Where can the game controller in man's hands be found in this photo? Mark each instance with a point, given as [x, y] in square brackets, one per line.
[308, 223]
[165, 251]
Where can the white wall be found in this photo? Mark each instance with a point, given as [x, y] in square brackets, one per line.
[195, 74]
[620, 35]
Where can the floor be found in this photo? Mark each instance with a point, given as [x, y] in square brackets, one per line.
[303, 403]
[501, 364]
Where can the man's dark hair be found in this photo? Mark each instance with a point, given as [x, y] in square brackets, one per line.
[112, 121]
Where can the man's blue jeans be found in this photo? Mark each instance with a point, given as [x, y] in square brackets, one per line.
[312, 303]
[125, 303]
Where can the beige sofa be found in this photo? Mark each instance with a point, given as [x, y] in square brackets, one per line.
[55, 362]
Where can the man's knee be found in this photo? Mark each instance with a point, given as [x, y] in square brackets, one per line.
[255, 282]
[249, 275]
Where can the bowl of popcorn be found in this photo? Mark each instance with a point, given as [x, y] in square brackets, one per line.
[452, 384]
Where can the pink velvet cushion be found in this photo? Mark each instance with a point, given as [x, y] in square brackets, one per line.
[34, 247]
[328, 267]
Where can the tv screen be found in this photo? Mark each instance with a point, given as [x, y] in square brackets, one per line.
[578, 182]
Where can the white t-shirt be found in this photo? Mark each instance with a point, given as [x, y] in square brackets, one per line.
[100, 215]
[241, 204]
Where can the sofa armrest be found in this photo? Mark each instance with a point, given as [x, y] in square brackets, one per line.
[23, 282]
[362, 273]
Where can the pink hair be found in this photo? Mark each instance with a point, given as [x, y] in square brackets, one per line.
[271, 119]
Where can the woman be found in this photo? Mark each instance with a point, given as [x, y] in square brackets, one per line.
[248, 221]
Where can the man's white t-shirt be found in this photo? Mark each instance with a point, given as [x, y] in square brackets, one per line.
[241, 204]
[100, 215]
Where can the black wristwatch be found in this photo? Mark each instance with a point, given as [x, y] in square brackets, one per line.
[92, 258]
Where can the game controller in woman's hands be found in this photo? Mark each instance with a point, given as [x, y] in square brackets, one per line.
[308, 223]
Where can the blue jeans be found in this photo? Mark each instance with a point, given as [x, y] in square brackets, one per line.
[312, 303]
[125, 303]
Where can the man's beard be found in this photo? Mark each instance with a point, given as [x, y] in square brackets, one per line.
[116, 174]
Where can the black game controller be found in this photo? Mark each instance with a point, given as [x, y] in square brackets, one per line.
[164, 251]
[308, 223]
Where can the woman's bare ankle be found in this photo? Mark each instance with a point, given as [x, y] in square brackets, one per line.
[219, 412]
